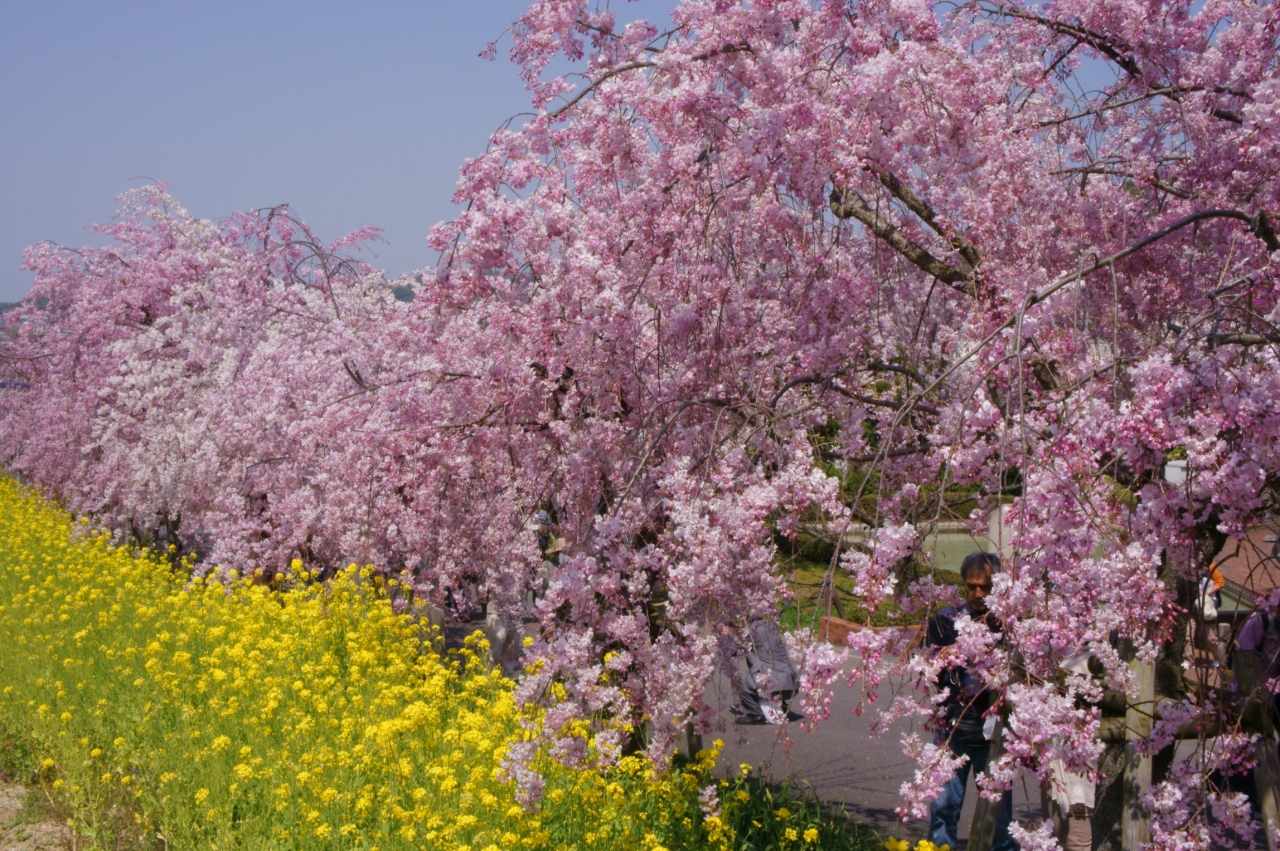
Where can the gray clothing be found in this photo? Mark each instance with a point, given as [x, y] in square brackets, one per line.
[771, 680]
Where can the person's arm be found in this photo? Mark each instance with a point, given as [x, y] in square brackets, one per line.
[941, 632]
[1251, 634]
[1246, 664]
[940, 638]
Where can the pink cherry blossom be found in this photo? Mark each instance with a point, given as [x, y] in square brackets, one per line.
[767, 268]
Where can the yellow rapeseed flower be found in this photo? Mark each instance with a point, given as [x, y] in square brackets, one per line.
[319, 699]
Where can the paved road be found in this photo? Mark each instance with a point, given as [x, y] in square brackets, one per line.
[839, 759]
[844, 765]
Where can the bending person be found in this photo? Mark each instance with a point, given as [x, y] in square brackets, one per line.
[771, 681]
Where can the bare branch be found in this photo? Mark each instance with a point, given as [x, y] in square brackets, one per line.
[1242, 339]
[354, 372]
[881, 366]
[883, 403]
[829, 381]
[918, 449]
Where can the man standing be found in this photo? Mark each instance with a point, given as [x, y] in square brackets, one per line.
[966, 729]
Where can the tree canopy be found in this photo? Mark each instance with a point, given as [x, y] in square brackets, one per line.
[1024, 250]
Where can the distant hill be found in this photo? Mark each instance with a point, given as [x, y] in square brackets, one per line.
[8, 305]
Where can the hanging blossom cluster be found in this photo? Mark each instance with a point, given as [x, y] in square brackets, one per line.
[768, 266]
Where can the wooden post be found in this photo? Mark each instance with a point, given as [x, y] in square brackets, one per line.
[982, 832]
[833, 598]
[692, 741]
[1267, 777]
[1135, 821]
[435, 628]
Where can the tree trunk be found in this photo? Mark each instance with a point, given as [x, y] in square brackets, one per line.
[1109, 798]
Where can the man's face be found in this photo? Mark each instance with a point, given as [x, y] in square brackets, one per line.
[977, 585]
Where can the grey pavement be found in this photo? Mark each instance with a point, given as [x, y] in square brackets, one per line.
[838, 759]
[844, 765]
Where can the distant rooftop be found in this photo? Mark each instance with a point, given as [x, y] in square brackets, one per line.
[1250, 564]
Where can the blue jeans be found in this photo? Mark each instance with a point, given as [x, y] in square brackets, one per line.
[944, 811]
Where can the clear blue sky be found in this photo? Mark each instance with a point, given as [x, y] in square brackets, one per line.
[353, 113]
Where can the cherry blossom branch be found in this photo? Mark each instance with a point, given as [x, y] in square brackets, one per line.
[1165, 90]
[926, 214]
[594, 84]
[848, 203]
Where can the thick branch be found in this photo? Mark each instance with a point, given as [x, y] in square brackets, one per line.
[923, 447]
[1115, 50]
[881, 366]
[1243, 339]
[354, 372]
[1264, 229]
[849, 204]
[882, 403]
[917, 205]
[828, 381]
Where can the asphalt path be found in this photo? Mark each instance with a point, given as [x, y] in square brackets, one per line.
[845, 765]
[838, 759]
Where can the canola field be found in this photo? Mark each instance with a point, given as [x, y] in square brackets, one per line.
[166, 712]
